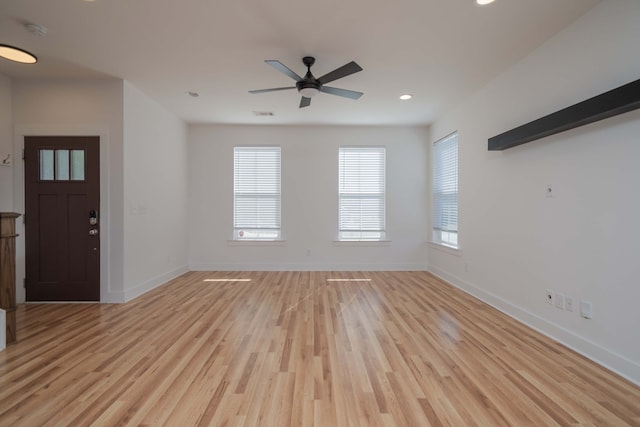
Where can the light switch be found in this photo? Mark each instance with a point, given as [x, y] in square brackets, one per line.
[586, 310]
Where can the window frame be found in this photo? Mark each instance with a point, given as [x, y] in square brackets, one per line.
[250, 230]
[361, 199]
[445, 202]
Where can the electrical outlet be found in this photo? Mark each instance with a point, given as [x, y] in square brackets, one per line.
[549, 297]
[586, 309]
[559, 300]
[568, 303]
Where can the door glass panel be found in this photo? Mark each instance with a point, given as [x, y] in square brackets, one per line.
[77, 165]
[46, 165]
[62, 165]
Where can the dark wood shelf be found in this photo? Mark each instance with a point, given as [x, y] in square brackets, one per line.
[617, 101]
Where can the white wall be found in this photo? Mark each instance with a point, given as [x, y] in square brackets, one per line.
[155, 194]
[585, 240]
[89, 107]
[6, 145]
[309, 199]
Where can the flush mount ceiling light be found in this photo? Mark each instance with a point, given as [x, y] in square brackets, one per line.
[406, 97]
[17, 55]
[483, 2]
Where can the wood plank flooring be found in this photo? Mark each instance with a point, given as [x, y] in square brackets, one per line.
[299, 349]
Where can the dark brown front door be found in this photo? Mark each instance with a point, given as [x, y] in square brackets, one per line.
[62, 218]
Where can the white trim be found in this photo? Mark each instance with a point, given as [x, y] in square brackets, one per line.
[622, 366]
[445, 248]
[306, 267]
[256, 242]
[100, 130]
[153, 283]
[112, 297]
[362, 243]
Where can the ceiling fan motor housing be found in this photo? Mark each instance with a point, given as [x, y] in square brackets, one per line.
[308, 84]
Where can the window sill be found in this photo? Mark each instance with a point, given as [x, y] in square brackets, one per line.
[256, 242]
[361, 242]
[446, 249]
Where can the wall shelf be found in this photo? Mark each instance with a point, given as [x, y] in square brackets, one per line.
[617, 101]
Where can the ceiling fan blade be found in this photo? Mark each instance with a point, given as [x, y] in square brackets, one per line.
[283, 69]
[341, 92]
[273, 89]
[305, 102]
[341, 72]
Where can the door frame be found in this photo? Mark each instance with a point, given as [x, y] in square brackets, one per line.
[20, 131]
[63, 256]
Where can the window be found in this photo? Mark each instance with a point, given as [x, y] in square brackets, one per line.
[61, 164]
[361, 193]
[445, 191]
[256, 193]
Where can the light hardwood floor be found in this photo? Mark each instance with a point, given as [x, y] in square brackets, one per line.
[298, 349]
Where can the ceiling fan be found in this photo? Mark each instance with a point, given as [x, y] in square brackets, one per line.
[309, 85]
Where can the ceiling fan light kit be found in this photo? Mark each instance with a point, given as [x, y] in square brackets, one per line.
[308, 86]
[309, 92]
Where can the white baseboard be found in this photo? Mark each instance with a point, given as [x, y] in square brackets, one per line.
[307, 267]
[153, 283]
[112, 298]
[595, 352]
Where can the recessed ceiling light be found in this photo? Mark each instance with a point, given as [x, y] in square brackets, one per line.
[483, 2]
[17, 55]
[406, 97]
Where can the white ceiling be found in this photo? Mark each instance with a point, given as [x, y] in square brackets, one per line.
[437, 50]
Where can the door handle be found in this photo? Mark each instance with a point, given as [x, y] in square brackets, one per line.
[93, 232]
[93, 217]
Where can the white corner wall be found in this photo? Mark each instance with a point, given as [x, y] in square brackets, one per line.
[155, 194]
[6, 146]
[585, 240]
[76, 107]
[309, 199]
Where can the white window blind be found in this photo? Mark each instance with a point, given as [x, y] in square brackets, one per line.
[445, 191]
[256, 193]
[361, 193]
